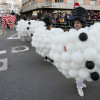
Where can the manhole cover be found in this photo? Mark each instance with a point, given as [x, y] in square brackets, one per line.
[1, 63]
[20, 48]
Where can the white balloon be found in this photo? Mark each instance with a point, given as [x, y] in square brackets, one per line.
[70, 47]
[65, 66]
[64, 72]
[91, 42]
[83, 73]
[89, 79]
[60, 48]
[97, 61]
[65, 57]
[98, 46]
[92, 70]
[57, 65]
[80, 46]
[77, 57]
[74, 65]
[90, 54]
[57, 57]
[73, 73]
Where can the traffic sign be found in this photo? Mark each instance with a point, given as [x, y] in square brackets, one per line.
[76, 5]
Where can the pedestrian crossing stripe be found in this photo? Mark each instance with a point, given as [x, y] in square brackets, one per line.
[4, 64]
[2, 52]
[15, 36]
[17, 49]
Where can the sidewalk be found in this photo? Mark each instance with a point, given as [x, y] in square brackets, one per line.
[1, 31]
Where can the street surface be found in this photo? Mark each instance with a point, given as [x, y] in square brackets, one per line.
[26, 76]
[1, 32]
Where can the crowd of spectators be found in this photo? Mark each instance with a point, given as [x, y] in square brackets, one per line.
[63, 18]
[93, 17]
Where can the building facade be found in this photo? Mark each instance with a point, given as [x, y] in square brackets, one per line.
[29, 6]
[59, 4]
[7, 6]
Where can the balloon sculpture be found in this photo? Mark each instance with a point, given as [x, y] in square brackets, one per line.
[81, 61]
[26, 29]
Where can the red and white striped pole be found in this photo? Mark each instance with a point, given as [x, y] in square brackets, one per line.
[10, 20]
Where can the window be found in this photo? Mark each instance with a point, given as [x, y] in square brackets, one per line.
[55, 0]
[70, 1]
[33, 1]
[81, 1]
[61, 0]
[58, 0]
[92, 2]
[29, 2]
[25, 4]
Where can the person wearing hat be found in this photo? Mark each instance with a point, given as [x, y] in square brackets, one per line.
[79, 17]
[48, 23]
[47, 20]
[24, 18]
[79, 14]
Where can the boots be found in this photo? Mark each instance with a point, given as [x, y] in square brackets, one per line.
[80, 86]
[80, 92]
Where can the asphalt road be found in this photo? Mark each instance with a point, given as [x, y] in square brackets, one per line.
[28, 77]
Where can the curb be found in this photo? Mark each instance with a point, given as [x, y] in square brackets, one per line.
[2, 33]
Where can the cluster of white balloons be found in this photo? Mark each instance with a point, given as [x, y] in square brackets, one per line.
[81, 60]
[42, 40]
[82, 57]
[26, 29]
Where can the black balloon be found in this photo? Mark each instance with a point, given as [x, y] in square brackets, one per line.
[83, 36]
[90, 64]
[95, 76]
[28, 28]
[31, 34]
[29, 23]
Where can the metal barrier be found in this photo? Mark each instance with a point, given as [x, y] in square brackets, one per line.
[66, 25]
[61, 25]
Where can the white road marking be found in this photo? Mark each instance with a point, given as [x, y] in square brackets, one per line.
[2, 52]
[5, 64]
[16, 51]
[15, 36]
